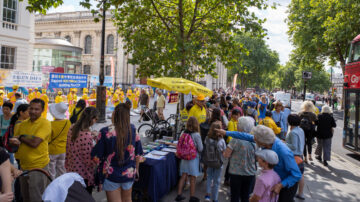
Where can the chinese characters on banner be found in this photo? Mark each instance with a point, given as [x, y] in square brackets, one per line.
[59, 80]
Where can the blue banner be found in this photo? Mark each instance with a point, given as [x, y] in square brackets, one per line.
[94, 81]
[59, 80]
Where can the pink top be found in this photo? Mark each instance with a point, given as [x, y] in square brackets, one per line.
[264, 183]
[78, 156]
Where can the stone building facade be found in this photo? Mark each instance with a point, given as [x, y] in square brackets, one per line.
[80, 29]
[16, 35]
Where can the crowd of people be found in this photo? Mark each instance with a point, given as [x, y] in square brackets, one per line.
[255, 133]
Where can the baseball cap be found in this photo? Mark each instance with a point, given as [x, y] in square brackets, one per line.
[201, 97]
[268, 155]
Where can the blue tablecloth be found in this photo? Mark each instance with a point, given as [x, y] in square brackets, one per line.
[158, 177]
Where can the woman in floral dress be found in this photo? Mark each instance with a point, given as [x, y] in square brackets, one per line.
[79, 145]
[118, 153]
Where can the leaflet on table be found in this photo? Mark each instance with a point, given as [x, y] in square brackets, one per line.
[151, 156]
[169, 150]
[159, 153]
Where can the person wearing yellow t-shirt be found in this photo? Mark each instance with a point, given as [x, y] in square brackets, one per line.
[11, 95]
[32, 136]
[45, 98]
[121, 96]
[72, 99]
[160, 104]
[269, 122]
[57, 143]
[85, 95]
[1, 98]
[92, 98]
[232, 125]
[136, 99]
[115, 98]
[37, 94]
[199, 110]
[59, 98]
[31, 95]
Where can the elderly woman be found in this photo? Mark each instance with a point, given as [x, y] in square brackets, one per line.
[308, 119]
[325, 130]
[287, 168]
[295, 140]
[242, 167]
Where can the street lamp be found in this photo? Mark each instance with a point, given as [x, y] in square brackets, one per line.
[101, 89]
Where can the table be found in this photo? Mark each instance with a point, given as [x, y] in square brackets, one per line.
[158, 177]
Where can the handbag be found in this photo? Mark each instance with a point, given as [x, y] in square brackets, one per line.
[59, 133]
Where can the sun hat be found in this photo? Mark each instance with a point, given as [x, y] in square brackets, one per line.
[200, 97]
[58, 110]
[268, 155]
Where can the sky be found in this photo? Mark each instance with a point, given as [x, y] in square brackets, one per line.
[277, 38]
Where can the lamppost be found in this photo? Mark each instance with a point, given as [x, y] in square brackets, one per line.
[101, 89]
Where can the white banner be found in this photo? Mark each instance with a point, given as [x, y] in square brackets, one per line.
[20, 78]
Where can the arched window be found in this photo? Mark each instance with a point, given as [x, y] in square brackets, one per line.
[88, 44]
[68, 38]
[110, 44]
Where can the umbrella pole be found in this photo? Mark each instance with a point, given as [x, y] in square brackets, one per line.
[179, 106]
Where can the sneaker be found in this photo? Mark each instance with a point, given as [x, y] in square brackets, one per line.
[194, 199]
[179, 198]
[207, 198]
[301, 197]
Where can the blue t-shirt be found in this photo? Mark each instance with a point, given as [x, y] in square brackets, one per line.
[262, 112]
[4, 124]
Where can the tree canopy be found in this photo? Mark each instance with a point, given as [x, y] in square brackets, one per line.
[255, 67]
[322, 30]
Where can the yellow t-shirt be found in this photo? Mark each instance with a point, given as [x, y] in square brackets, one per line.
[59, 99]
[269, 122]
[31, 158]
[198, 113]
[232, 126]
[59, 131]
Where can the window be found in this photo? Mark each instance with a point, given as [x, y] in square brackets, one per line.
[68, 38]
[88, 44]
[110, 44]
[87, 69]
[107, 70]
[9, 11]
[7, 59]
[354, 53]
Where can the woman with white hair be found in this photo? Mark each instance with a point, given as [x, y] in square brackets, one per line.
[325, 129]
[287, 168]
[242, 167]
[308, 118]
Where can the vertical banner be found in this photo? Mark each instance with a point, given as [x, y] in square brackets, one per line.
[234, 84]
[112, 69]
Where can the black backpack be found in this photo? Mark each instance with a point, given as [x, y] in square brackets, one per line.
[74, 117]
[211, 155]
[306, 124]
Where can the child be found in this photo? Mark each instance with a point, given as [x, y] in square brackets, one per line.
[214, 168]
[190, 167]
[262, 191]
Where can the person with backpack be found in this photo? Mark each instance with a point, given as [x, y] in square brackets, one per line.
[242, 168]
[188, 149]
[307, 123]
[213, 158]
[57, 144]
[279, 118]
[76, 113]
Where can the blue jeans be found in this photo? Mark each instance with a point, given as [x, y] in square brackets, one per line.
[213, 177]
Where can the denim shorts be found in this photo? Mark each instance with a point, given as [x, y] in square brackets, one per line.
[112, 186]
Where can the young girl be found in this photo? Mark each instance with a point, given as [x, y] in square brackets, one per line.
[269, 178]
[190, 167]
[214, 174]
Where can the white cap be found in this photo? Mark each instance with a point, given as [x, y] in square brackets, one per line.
[268, 155]
[58, 110]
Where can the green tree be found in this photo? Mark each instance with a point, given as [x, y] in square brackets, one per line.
[254, 68]
[322, 29]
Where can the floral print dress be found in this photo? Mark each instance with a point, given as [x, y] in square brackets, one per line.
[107, 158]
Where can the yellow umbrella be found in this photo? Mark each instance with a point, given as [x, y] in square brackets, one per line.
[181, 85]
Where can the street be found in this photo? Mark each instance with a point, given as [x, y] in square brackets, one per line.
[338, 182]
